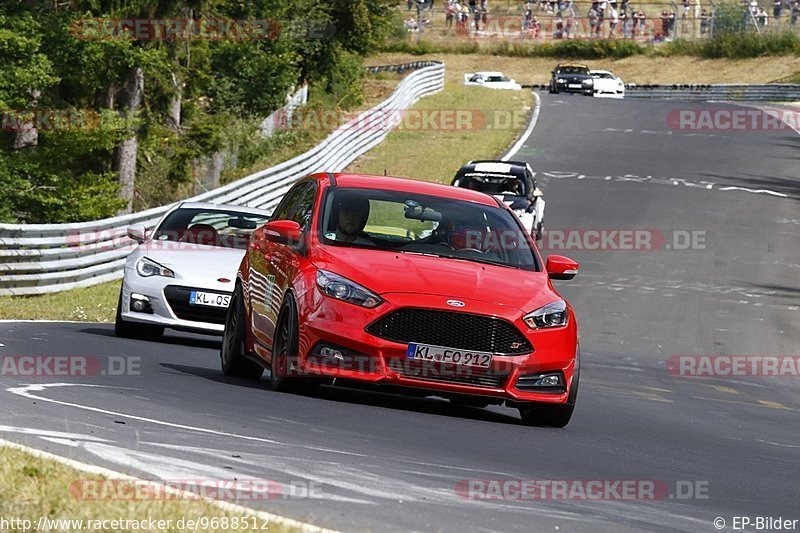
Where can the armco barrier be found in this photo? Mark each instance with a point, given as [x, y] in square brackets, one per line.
[787, 92]
[41, 258]
[717, 91]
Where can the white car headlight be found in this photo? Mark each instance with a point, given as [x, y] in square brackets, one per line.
[341, 288]
[147, 267]
[561, 80]
[552, 315]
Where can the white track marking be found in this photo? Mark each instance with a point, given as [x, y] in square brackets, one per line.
[111, 474]
[696, 184]
[778, 444]
[756, 191]
[52, 434]
[25, 392]
[528, 131]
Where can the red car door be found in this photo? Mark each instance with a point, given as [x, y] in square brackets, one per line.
[273, 265]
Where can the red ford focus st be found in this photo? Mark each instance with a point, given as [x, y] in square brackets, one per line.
[436, 289]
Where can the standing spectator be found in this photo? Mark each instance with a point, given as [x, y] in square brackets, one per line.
[601, 14]
[558, 26]
[450, 13]
[593, 22]
[535, 28]
[685, 10]
[795, 12]
[777, 8]
[570, 23]
[642, 22]
[624, 22]
[527, 18]
[703, 22]
[473, 12]
[613, 20]
[485, 12]
[671, 16]
[664, 24]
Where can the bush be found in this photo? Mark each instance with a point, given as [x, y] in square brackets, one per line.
[736, 46]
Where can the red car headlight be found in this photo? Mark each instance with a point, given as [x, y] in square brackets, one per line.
[552, 315]
[341, 288]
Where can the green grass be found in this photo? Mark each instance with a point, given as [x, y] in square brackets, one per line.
[32, 487]
[90, 304]
[495, 118]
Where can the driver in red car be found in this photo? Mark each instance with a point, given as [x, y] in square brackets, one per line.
[351, 218]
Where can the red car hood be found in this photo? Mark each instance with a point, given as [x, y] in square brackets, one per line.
[389, 272]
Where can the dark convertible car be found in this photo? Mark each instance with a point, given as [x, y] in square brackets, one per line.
[571, 78]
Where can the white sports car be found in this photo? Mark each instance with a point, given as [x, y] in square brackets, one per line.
[492, 80]
[182, 273]
[513, 183]
[607, 85]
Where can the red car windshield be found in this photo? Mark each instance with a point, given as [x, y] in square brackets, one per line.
[417, 223]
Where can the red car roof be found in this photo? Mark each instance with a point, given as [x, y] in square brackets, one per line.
[366, 181]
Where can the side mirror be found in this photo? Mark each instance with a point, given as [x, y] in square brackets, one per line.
[138, 233]
[560, 267]
[282, 231]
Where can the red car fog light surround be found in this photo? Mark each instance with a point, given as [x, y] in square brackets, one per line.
[332, 356]
[542, 382]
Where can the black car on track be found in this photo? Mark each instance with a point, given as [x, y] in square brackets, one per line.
[571, 78]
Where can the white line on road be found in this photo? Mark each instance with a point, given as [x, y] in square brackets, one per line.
[26, 392]
[705, 185]
[160, 487]
[528, 131]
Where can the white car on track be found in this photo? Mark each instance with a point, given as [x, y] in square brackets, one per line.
[607, 84]
[492, 80]
[182, 273]
[513, 183]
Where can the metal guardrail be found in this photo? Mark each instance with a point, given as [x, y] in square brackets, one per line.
[765, 92]
[42, 258]
[770, 92]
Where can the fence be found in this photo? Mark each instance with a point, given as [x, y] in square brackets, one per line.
[740, 92]
[786, 92]
[650, 21]
[41, 258]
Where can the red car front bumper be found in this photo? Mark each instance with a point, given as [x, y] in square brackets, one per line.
[329, 326]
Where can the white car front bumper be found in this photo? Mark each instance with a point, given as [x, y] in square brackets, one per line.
[171, 315]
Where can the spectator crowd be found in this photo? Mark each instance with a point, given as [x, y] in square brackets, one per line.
[564, 19]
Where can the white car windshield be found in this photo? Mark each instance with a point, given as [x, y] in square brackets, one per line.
[223, 229]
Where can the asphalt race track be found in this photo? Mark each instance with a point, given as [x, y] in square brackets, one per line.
[390, 463]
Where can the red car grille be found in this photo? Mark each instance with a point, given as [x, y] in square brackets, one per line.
[464, 331]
